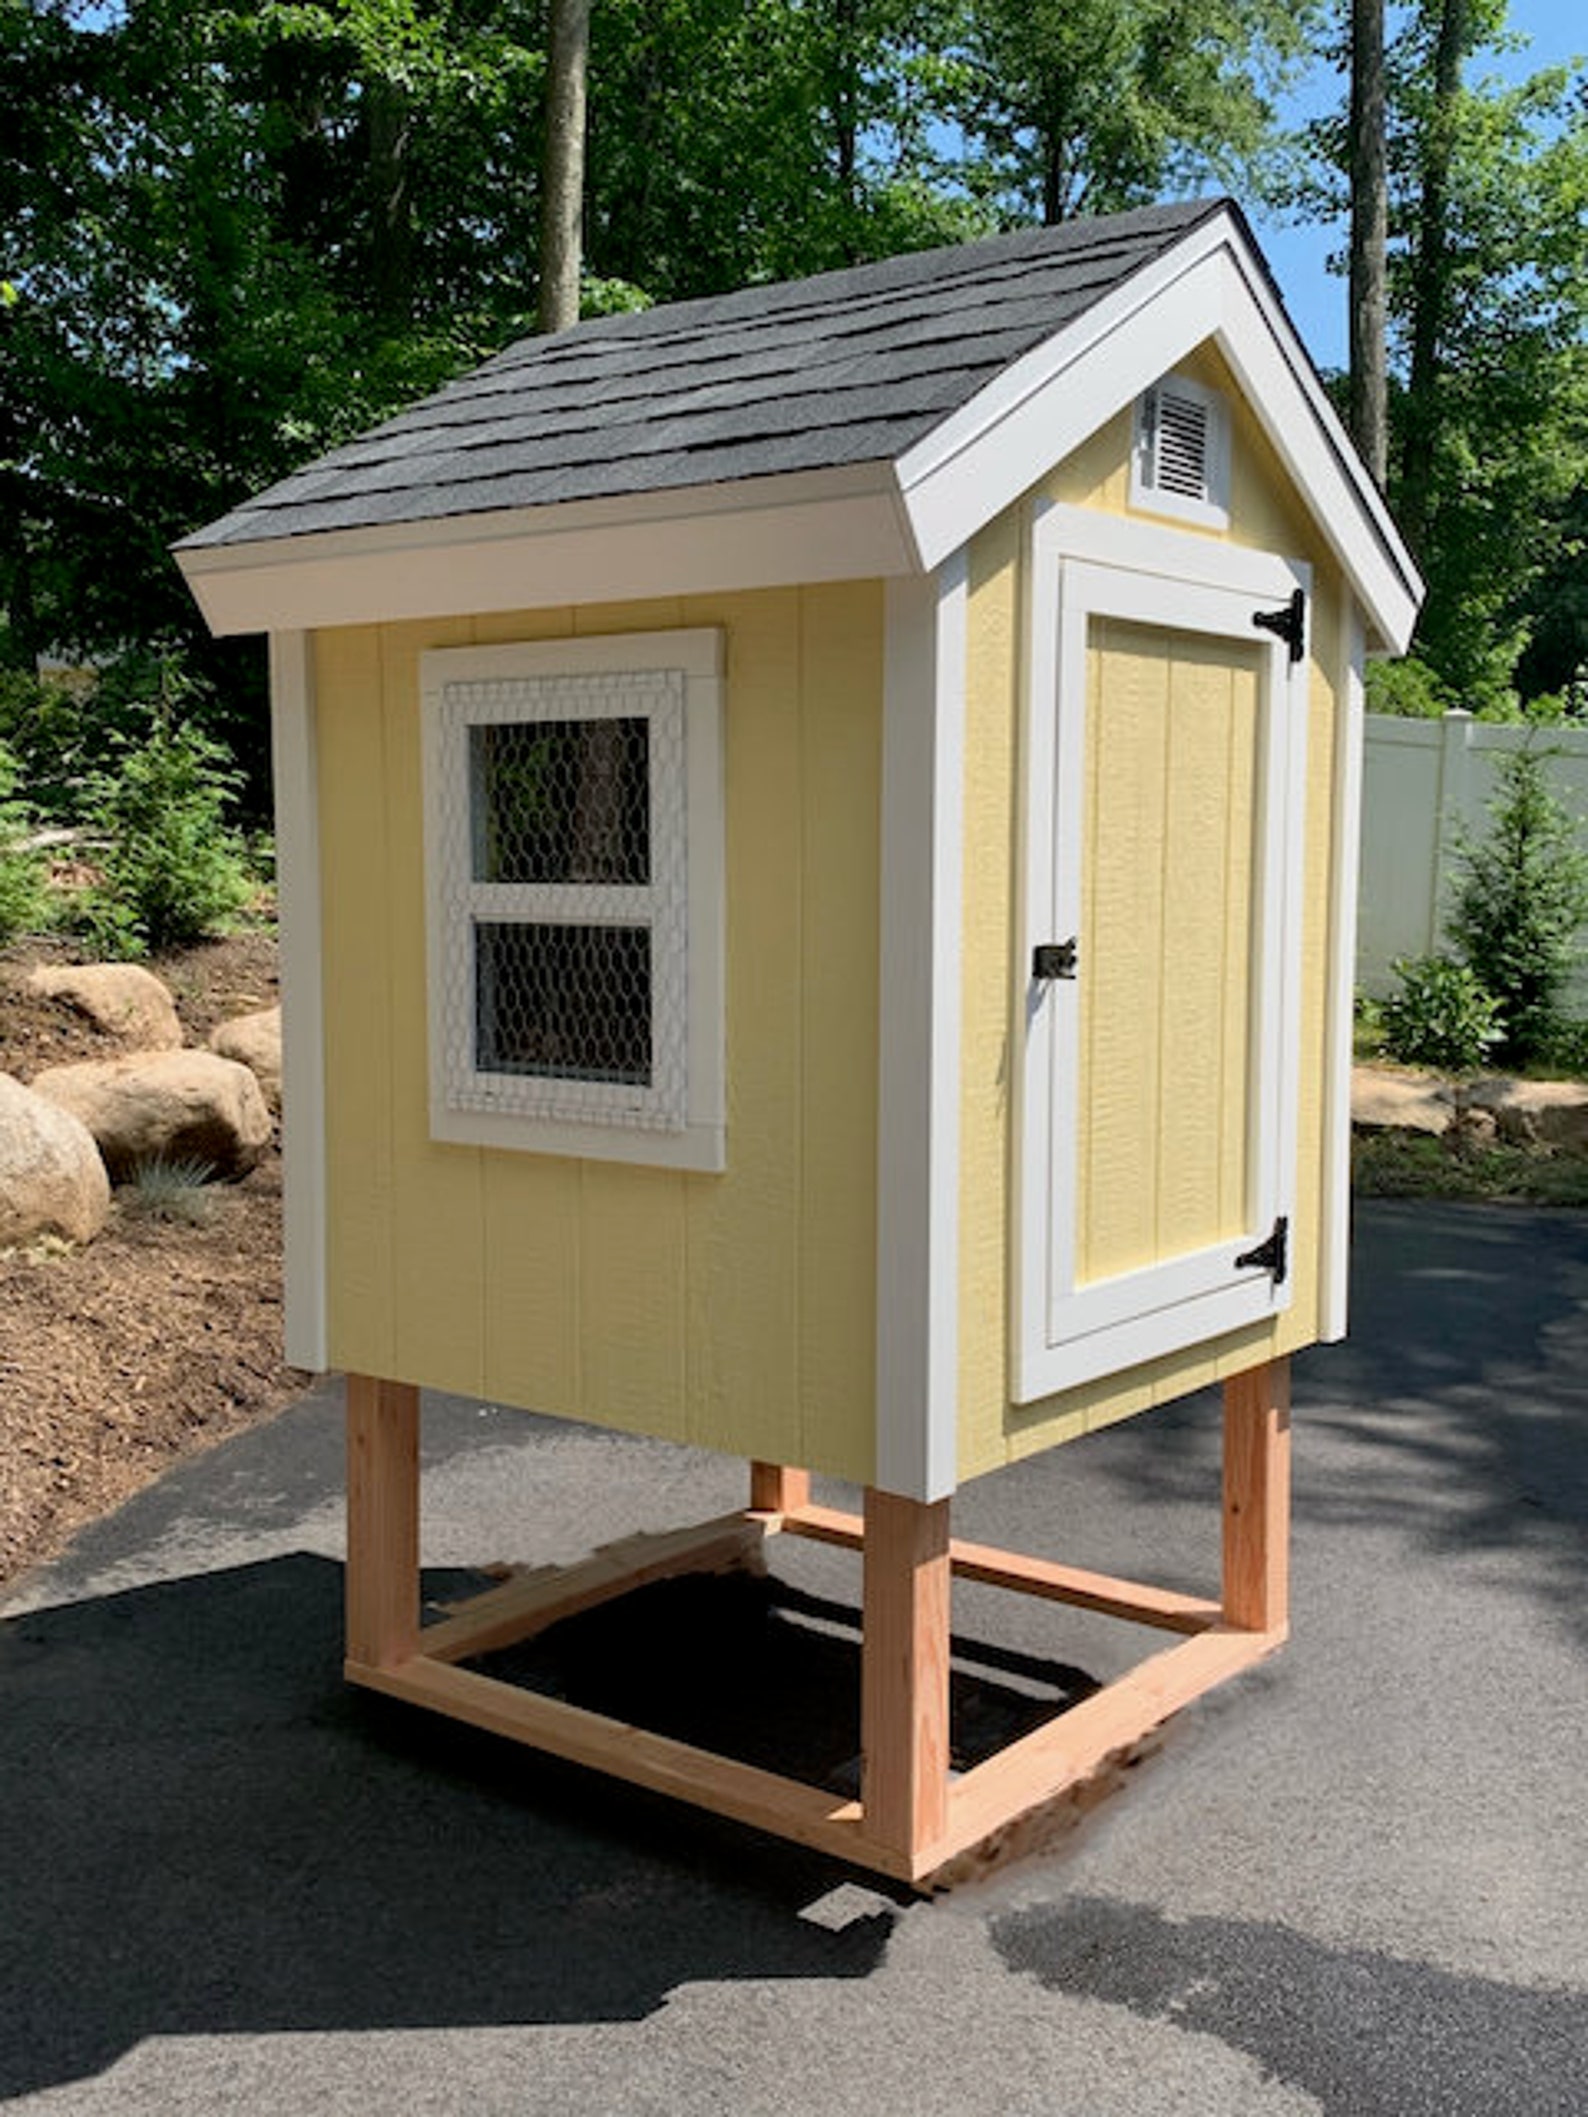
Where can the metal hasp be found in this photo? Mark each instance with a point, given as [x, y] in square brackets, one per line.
[1270, 1256]
[1054, 959]
[1288, 624]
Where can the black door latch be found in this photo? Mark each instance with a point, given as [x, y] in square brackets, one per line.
[1054, 959]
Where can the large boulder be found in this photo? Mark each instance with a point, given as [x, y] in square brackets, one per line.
[120, 998]
[254, 1041]
[165, 1106]
[52, 1181]
[1537, 1113]
[1400, 1102]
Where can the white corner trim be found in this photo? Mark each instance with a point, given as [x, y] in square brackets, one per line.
[923, 756]
[1041, 408]
[1334, 1264]
[760, 533]
[293, 753]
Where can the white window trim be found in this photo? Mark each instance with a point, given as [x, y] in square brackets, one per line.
[1150, 498]
[637, 1129]
[1083, 563]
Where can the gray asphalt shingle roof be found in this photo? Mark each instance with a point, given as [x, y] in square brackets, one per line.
[846, 368]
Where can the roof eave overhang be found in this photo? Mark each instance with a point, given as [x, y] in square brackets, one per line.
[1211, 285]
[864, 521]
[844, 524]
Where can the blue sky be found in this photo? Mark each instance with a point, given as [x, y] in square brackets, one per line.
[1315, 297]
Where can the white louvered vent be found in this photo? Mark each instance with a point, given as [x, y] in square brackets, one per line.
[1180, 452]
[1181, 464]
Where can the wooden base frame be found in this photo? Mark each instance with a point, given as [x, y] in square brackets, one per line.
[911, 1820]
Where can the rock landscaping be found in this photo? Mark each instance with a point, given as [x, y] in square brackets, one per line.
[138, 1326]
[1494, 1136]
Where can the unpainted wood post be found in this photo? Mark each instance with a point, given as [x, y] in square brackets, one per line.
[904, 1672]
[1257, 1498]
[382, 1521]
[776, 1489]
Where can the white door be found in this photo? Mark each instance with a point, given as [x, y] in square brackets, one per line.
[1166, 747]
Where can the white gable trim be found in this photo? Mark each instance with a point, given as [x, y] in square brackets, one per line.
[1042, 407]
[760, 533]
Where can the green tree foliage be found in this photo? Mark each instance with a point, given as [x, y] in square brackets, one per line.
[1520, 906]
[1089, 106]
[1488, 302]
[23, 897]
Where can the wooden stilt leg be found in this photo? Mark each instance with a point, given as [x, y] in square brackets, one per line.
[382, 1521]
[904, 1672]
[1257, 1498]
[775, 1489]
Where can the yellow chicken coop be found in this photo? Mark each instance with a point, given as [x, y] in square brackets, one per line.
[817, 834]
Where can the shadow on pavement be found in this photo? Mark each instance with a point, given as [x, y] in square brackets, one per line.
[1456, 1413]
[206, 1833]
[1357, 2030]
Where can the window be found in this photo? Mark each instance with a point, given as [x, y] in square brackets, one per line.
[1180, 464]
[573, 865]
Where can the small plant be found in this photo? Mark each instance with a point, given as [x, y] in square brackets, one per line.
[24, 895]
[1520, 905]
[178, 1192]
[1441, 1016]
[174, 870]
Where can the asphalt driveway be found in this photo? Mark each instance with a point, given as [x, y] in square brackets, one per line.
[1355, 1881]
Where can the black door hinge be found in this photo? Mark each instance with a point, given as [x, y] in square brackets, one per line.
[1272, 1256]
[1288, 624]
[1054, 959]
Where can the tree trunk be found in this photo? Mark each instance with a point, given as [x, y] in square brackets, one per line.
[562, 172]
[1369, 398]
[391, 202]
[1430, 289]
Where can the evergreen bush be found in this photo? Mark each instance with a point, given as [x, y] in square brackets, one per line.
[174, 868]
[24, 895]
[1520, 905]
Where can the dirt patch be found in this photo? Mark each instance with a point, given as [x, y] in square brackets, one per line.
[160, 1337]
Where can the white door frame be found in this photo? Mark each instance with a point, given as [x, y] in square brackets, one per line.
[1085, 565]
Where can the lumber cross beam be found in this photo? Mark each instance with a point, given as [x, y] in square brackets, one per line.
[912, 1821]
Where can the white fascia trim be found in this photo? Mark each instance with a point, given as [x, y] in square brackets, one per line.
[302, 996]
[923, 832]
[846, 524]
[1340, 1005]
[1042, 407]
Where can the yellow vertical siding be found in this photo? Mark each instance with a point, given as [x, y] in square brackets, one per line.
[737, 1310]
[993, 620]
[1181, 1055]
[438, 1256]
[840, 851]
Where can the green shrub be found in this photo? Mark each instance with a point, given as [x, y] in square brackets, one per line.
[1441, 1016]
[24, 895]
[1520, 904]
[180, 1193]
[1409, 688]
[174, 869]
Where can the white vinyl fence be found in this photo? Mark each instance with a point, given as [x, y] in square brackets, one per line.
[1424, 783]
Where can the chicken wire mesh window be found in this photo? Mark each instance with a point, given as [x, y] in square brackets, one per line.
[558, 830]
